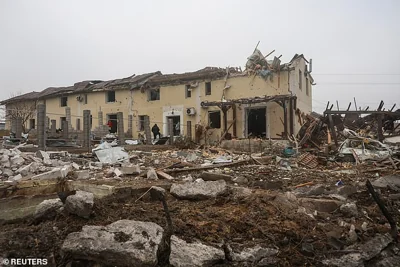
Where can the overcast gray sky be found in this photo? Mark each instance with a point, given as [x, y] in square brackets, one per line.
[47, 43]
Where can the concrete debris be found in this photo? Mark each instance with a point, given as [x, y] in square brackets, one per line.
[25, 170]
[194, 254]
[117, 172]
[240, 193]
[255, 254]
[47, 209]
[75, 166]
[122, 243]
[80, 204]
[15, 178]
[199, 189]
[305, 196]
[7, 173]
[112, 155]
[82, 175]
[240, 180]
[5, 161]
[44, 156]
[320, 205]
[152, 174]
[387, 181]
[349, 209]
[53, 174]
[366, 252]
[130, 169]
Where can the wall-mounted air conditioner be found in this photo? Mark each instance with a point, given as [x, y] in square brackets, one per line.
[190, 111]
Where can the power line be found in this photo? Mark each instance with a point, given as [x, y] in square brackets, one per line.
[357, 74]
[356, 83]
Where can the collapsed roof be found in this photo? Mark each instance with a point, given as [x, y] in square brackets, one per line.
[256, 64]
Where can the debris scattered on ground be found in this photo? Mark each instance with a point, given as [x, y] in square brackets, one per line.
[295, 203]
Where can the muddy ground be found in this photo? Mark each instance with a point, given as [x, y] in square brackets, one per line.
[241, 222]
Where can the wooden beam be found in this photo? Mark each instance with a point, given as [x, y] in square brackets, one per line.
[285, 120]
[338, 112]
[210, 166]
[291, 116]
[225, 132]
[380, 131]
[385, 212]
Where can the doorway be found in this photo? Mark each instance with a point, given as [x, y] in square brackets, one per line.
[176, 122]
[257, 122]
[114, 122]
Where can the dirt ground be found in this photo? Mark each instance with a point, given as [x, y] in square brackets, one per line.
[241, 222]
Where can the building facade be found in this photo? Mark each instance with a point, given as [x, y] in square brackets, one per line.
[264, 101]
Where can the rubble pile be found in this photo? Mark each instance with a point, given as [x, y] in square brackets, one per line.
[289, 205]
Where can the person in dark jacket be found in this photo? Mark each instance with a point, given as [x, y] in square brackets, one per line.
[156, 131]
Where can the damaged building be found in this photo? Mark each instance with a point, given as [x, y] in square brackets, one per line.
[265, 100]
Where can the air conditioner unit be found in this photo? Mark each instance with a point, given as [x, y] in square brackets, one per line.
[190, 111]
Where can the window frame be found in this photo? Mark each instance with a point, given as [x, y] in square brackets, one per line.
[188, 91]
[149, 94]
[210, 120]
[208, 90]
[62, 102]
[108, 96]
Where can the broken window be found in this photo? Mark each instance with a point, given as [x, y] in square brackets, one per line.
[188, 91]
[154, 94]
[32, 124]
[85, 98]
[307, 87]
[214, 119]
[64, 101]
[141, 123]
[300, 79]
[208, 88]
[110, 96]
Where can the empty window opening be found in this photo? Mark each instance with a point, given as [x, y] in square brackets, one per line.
[176, 124]
[85, 98]
[110, 96]
[208, 88]
[141, 123]
[188, 91]
[300, 79]
[307, 88]
[32, 124]
[112, 123]
[214, 119]
[154, 94]
[64, 101]
[257, 122]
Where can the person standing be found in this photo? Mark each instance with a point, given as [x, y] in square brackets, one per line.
[156, 131]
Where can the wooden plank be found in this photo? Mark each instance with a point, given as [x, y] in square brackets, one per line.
[213, 166]
[164, 175]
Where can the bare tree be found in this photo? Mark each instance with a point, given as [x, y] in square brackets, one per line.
[22, 108]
